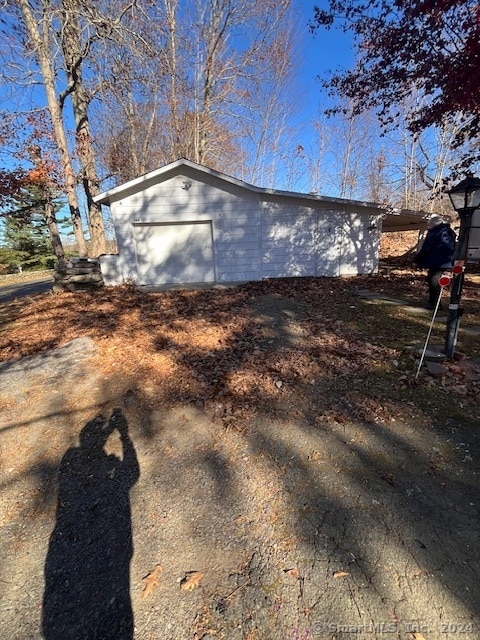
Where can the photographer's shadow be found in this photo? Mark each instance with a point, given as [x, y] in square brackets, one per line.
[87, 569]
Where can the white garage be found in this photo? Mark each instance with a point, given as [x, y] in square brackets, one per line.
[185, 223]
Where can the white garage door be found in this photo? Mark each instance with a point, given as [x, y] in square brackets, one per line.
[174, 253]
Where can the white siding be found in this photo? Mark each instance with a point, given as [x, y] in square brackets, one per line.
[253, 236]
[288, 241]
[328, 241]
[117, 269]
[302, 241]
[237, 242]
[360, 244]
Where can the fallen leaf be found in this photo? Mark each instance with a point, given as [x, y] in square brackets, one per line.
[293, 573]
[340, 574]
[191, 581]
[151, 581]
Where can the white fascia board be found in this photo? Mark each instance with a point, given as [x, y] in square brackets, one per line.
[137, 183]
[151, 177]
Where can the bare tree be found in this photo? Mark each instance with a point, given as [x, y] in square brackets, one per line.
[206, 89]
[38, 30]
[65, 35]
[74, 54]
[134, 134]
[351, 142]
[378, 183]
[421, 163]
[266, 108]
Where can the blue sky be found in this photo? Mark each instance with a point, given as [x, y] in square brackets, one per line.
[325, 51]
[321, 53]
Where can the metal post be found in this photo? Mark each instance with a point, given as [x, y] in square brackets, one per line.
[454, 310]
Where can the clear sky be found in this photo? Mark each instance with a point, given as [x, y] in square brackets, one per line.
[324, 51]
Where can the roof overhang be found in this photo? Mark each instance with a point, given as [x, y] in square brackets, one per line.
[404, 220]
[393, 219]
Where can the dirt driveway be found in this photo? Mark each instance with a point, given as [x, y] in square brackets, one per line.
[186, 520]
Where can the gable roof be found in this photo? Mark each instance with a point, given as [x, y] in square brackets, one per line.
[394, 220]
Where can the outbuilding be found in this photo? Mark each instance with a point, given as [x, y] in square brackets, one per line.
[186, 223]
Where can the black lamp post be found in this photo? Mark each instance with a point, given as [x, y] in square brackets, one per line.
[465, 197]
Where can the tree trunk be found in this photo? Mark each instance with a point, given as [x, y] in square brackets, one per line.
[74, 57]
[49, 211]
[40, 44]
[57, 245]
[171, 54]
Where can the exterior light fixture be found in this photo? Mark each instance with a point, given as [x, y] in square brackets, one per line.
[465, 198]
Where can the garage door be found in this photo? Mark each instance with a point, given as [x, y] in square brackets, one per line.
[174, 253]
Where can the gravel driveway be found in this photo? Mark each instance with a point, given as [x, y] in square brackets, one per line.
[163, 524]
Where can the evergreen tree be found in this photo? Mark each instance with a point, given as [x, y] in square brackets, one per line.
[26, 243]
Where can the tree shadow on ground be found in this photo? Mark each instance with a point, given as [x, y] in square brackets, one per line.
[87, 569]
[394, 522]
[331, 502]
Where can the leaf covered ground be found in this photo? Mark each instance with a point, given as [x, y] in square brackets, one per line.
[256, 344]
[292, 472]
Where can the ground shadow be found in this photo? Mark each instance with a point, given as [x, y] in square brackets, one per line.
[87, 569]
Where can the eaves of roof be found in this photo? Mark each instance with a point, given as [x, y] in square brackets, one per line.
[398, 219]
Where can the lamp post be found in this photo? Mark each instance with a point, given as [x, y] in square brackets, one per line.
[465, 197]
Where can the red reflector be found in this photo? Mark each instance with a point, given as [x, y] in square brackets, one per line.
[458, 269]
[444, 281]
